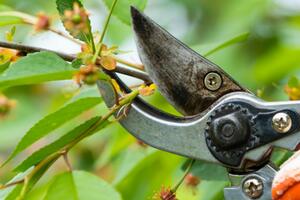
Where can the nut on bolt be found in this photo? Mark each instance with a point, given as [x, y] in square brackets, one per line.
[213, 81]
[253, 187]
[282, 122]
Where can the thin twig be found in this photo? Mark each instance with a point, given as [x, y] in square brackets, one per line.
[185, 174]
[107, 21]
[69, 57]
[66, 159]
[125, 62]
[64, 35]
[11, 184]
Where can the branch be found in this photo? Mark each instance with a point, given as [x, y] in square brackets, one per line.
[69, 57]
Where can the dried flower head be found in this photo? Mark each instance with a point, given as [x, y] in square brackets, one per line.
[192, 180]
[147, 90]
[42, 23]
[165, 194]
[6, 105]
[76, 21]
[88, 74]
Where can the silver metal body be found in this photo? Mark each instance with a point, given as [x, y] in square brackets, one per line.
[197, 87]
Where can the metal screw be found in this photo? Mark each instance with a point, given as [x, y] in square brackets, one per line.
[282, 122]
[213, 81]
[253, 187]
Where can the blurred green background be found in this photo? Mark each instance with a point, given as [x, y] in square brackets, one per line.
[263, 63]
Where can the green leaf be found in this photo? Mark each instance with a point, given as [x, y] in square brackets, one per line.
[79, 185]
[53, 121]
[60, 143]
[36, 68]
[62, 6]
[207, 50]
[6, 19]
[122, 9]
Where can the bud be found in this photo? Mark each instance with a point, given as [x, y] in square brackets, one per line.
[43, 22]
[165, 194]
[5, 105]
[192, 180]
[88, 74]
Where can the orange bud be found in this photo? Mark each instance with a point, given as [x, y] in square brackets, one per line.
[43, 22]
[192, 180]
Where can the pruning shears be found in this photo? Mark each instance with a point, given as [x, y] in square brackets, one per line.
[223, 122]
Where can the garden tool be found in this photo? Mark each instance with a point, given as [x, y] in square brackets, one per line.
[222, 123]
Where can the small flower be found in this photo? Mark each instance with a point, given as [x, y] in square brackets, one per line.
[8, 55]
[108, 63]
[192, 180]
[88, 74]
[107, 60]
[147, 90]
[292, 92]
[165, 194]
[292, 89]
[6, 105]
[76, 21]
[42, 23]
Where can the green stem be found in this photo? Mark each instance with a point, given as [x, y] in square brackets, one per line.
[185, 174]
[107, 21]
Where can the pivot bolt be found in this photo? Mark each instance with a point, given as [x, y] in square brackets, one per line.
[282, 122]
[253, 187]
[213, 81]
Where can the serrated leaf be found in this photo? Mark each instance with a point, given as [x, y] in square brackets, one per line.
[62, 6]
[79, 185]
[53, 121]
[60, 143]
[122, 9]
[36, 68]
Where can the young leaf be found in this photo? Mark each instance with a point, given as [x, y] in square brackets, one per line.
[53, 121]
[122, 10]
[60, 143]
[78, 25]
[36, 68]
[79, 185]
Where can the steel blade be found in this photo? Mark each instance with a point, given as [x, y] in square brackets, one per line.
[178, 71]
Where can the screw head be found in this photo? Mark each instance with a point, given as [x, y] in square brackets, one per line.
[213, 81]
[253, 187]
[282, 122]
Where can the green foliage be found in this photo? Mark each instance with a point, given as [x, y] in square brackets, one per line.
[122, 10]
[36, 68]
[80, 185]
[53, 121]
[59, 144]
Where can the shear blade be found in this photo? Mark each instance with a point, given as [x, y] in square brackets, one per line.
[177, 70]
